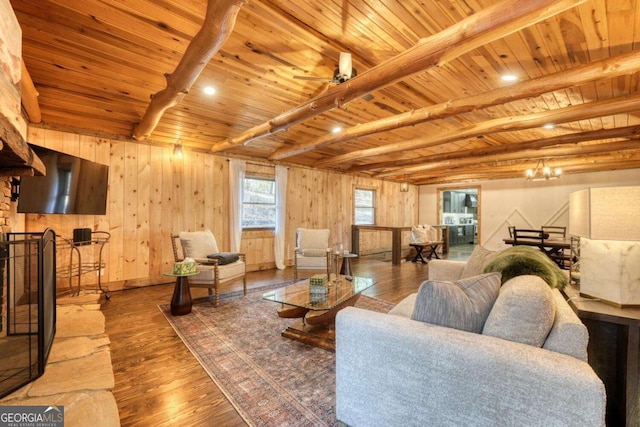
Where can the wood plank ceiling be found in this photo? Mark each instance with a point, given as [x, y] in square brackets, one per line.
[96, 63]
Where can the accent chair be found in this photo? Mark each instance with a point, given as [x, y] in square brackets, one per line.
[311, 250]
[199, 245]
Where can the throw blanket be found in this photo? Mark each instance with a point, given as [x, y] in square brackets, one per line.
[224, 257]
[521, 260]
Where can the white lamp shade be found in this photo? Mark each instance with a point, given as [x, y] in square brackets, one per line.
[609, 213]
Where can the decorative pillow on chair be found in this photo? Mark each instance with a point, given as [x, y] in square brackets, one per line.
[418, 234]
[314, 252]
[479, 258]
[521, 260]
[524, 311]
[464, 304]
[198, 244]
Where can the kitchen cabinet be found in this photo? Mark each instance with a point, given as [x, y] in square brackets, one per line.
[453, 202]
[461, 235]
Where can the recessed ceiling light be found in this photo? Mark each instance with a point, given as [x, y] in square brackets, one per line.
[209, 90]
[549, 126]
[336, 129]
[509, 77]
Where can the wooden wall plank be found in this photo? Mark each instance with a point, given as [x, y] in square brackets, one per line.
[153, 194]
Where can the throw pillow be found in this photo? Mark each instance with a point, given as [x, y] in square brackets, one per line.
[524, 311]
[198, 244]
[521, 260]
[464, 304]
[477, 261]
[418, 234]
[314, 252]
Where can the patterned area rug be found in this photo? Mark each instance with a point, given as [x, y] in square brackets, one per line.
[270, 380]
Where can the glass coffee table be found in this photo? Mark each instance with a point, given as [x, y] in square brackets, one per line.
[316, 313]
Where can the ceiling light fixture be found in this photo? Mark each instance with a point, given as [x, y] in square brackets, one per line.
[177, 150]
[549, 126]
[404, 185]
[209, 90]
[542, 172]
[336, 129]
[509, 77]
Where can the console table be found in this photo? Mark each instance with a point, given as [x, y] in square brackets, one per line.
[614, 350]
[396, 240]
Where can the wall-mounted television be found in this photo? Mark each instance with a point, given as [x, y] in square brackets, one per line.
[71, 186]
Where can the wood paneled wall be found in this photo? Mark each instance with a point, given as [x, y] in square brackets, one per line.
[153, 194]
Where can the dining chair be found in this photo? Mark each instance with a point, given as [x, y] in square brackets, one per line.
[511, 228]
[200, 245]
[574, 265]
[529, 237]
[554, 232]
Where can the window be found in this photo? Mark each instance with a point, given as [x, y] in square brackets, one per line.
[259, 203]
[365, 207]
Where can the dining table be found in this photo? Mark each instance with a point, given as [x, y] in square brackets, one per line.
[548, 246]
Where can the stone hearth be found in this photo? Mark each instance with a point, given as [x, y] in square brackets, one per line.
[79, 374]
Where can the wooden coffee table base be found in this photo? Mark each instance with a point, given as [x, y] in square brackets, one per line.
[315, 328]
[322, 336]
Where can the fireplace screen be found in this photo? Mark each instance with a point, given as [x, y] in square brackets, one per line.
[28, 302]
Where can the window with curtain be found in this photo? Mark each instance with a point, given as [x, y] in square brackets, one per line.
[259, 203]
[365, 206]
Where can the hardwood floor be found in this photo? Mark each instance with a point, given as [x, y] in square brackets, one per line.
[157, 380]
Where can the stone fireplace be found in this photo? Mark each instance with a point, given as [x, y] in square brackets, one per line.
[5, 227]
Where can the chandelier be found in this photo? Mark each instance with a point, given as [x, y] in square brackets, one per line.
[542, 172]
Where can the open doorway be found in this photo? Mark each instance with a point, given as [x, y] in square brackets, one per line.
[459, 209]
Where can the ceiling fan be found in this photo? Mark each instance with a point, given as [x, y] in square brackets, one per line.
[341, 74]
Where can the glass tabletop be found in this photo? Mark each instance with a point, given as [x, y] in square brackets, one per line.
[299, 294]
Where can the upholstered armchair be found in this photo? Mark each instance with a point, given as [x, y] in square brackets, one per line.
[200, 245]
[311, 250]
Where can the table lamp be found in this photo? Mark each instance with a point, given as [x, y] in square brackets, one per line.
[606, 219]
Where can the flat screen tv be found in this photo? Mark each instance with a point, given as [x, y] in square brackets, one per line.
[71, 186]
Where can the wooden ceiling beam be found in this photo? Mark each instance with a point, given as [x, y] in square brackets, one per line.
[484, 26]
[626, 64]
[29, 96]
[218, 25]
[536, 148]
[629, 132]
[573, 113]
[488, 175]
[526, 155]
[624, 160]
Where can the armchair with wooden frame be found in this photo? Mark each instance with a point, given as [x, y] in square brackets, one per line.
[311, 250]
[199, 245]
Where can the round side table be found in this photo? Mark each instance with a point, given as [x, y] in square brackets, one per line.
[181, 301]
[346, 265]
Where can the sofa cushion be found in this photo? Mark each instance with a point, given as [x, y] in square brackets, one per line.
[405, 307]
[568, 334]
[524, 311]
[521, 260]
[479, 258]
[463, 304]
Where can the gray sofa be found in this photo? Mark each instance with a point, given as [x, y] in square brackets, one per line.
[395, 371]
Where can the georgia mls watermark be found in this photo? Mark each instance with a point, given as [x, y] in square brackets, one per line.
[31, 416]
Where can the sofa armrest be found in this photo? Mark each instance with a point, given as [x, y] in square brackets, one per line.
[391, 370]
[442, 269]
